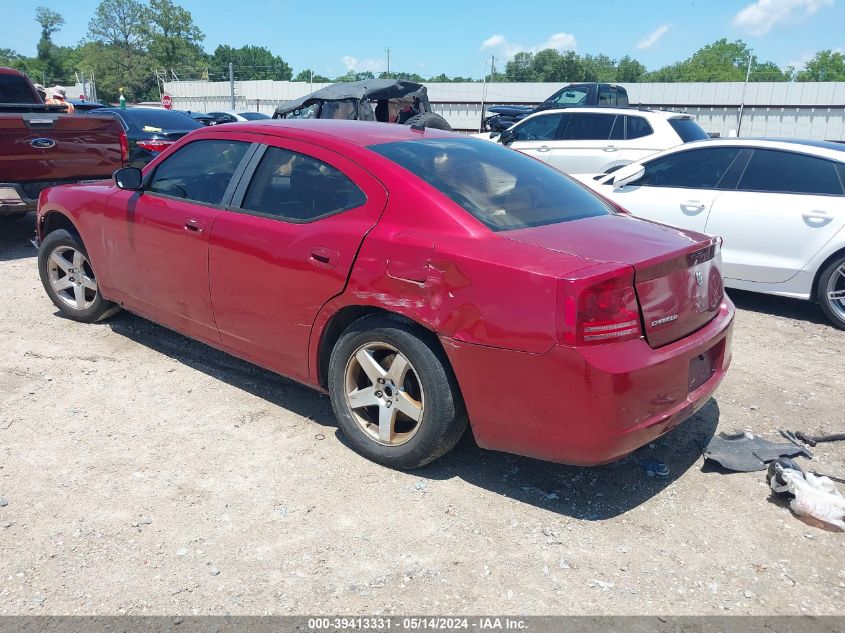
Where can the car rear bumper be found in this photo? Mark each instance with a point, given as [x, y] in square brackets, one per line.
[589, 405]
[13, 199]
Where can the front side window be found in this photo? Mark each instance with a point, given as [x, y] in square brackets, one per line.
[200, 171]
[294, 187]
[539, 128]
[787, 172]
[501, 188]
[590, 127]
[696, 169]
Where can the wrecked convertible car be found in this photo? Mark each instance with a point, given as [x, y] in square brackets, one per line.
[384, 100]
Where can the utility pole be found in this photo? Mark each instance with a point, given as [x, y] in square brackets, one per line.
[232, 85]
[484, 92]
[492, 67]
[387, 50]
[312, 79]
[742, 100]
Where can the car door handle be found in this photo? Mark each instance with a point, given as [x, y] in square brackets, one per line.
[692, 206]
[817, 218]
[544, 148]
[324, 257]
[192, 225]
[611, 148]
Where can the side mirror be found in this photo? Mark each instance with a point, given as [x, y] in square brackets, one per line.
[628, 176]
[129, 178]
[506, 137]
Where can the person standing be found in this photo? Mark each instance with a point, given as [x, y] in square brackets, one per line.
[58, 98]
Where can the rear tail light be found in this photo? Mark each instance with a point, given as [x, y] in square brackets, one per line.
[601, 308]
[154, 144]
[124, 148]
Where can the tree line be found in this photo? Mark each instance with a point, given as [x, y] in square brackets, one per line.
[131, 44]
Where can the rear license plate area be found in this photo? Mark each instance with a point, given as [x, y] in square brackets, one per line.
[702, 368]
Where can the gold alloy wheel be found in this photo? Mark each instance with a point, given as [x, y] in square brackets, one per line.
[384, 394]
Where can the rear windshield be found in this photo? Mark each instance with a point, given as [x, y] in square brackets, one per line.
[253, 116]
[161, 119]
[501, 187]
[15, 89]
[688, 129]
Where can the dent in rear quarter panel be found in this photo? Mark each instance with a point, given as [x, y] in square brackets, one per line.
[461, 282]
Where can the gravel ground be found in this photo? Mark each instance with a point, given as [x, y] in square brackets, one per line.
[144, 473]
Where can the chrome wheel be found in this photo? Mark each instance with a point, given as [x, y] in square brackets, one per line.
[384, 394]
[835, 292]
[71, 277]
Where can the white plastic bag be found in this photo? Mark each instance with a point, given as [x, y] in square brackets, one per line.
[814, 496]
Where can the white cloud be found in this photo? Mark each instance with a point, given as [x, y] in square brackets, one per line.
[557, 41]
[360, 65]
[652, 38]
[760, 17]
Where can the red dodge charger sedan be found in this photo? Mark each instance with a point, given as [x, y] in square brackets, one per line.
[422, 278]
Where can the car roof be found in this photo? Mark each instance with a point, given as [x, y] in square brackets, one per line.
[827, 149]
[631, 110]
[360, 133]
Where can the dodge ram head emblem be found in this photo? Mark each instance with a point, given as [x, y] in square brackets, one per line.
[42, 143]
[699, 277]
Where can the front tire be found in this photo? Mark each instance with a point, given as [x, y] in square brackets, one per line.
[831, 292]
[69, 279]
[394, 393]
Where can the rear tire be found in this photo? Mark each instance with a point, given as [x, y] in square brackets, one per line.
[430, 119]
[69, 279]
[394, 394]
[831, 292]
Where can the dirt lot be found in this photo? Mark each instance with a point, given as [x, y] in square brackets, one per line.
[146, 473]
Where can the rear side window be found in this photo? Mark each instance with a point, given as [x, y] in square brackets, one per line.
[688, 129]
[199, 172]
[590, 127]
[638, 127]
[787, 172]
[539, 128]
[697, 168]
[501, 188]
[297, 188]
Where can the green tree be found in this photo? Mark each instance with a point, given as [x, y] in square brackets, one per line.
[824, 66]
[550, 65]
[520, 67]
[402, 76]
[174, 40]
[599, 68]
[251, 62]
[117, 50]
[305, 75]
[629, 70]
[49, 64]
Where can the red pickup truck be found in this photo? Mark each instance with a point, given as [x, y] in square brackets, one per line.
[41, 145]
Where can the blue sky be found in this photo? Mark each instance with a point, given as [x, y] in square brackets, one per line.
[458, 37]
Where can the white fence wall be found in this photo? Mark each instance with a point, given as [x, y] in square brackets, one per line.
[779, 109]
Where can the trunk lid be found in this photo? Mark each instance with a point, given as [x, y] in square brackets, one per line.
[44, 146]
[677, 273]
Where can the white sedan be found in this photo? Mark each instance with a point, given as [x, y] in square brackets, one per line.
[779, 206]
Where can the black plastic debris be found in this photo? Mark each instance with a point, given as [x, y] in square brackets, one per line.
[741, 453]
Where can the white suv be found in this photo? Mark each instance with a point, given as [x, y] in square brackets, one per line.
[593, 140]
